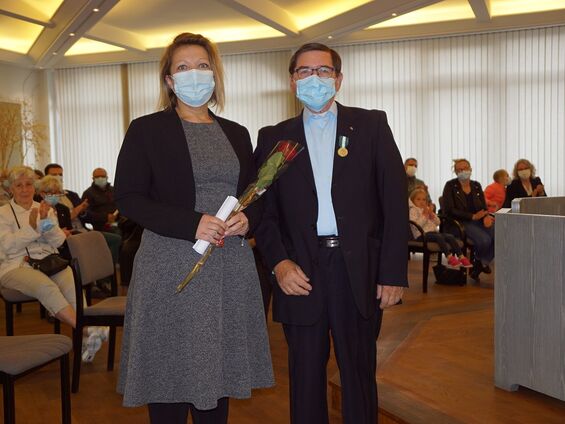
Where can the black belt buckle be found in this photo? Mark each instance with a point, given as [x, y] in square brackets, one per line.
[328, 241]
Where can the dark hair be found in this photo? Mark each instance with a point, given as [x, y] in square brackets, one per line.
[309, 47]
[409, 159]
[168, 99]
[51, 165]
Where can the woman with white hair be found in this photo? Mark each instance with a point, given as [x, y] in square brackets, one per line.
[30, 229]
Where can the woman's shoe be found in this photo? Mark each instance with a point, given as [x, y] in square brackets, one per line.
[90, 346]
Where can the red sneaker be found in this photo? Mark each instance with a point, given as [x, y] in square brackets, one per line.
[465, 263]
[453, 262]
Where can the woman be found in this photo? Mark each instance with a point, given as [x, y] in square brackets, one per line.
[193, 350]
[464, 200]
[524, 183]
[28, 228]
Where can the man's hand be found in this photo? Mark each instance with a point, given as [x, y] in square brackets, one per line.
[292, 279]
[389, 295]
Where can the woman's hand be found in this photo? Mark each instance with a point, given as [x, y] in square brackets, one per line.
[211, 229]
[538, 191]
[479, 215]
[43, 209]
[238, 225]
[33, 214]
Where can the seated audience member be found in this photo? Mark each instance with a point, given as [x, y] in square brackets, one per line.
[411, 167]
[464, 200]
[28, 228]
[102, 210]
[524, 183]
[423, 215]
[77, 209]
[495, 193]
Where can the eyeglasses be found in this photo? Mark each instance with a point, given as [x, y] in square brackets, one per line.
[321, 71]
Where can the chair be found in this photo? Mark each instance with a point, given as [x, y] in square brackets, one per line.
[21, 355]
[16, 298]
[92, 261]
[424, 247]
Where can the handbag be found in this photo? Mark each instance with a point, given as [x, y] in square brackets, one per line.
[451, 277]
[50, 264]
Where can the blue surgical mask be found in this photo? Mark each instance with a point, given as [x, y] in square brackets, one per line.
[315, 92]
[464, 175]
[194, 87]
[52, 199]
[101, 181]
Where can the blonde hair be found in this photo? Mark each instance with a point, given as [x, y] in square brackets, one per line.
[523, 162]
[417, 191]
[20, 171]
[167, 97]
[50, 184]
[456, 161]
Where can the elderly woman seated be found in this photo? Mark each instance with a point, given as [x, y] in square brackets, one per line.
[464, 200]
[30, 229]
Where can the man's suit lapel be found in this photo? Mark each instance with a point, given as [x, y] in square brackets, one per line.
[345, 128]
[302, 161]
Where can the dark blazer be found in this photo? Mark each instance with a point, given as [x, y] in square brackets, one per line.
[369, 199]
[154, 183]
[516, 190]
[454, 202]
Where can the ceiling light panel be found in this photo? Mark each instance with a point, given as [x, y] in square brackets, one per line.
[518, 7]
[171, 17]
[17, 36]
[87, 46]
[311, 12]
[448, 10]
[45, 7]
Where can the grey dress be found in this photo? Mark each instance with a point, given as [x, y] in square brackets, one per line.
[210, 340]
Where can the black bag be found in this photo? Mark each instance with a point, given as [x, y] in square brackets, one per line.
[49, 265]
[449, 276]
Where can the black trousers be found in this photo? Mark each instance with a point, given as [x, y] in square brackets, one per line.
[177, 413]
[354, 340]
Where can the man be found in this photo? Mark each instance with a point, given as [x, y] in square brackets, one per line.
[102, 210]
[335, 233]
[411, 167]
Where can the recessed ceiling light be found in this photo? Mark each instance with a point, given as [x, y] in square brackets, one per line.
[54, 53]
[394, 14]
[72, 34]
[96, 10]
[330, 37]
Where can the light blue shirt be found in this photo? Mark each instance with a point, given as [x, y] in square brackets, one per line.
[320, 130]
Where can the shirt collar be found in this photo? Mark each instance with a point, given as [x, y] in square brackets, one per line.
[331, 112]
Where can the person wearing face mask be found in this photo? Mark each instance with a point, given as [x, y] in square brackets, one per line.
[323, 233]
[411, 168]
[524, 183]
[101, 211]
[495, 192]
[174, 171]
[463, 199]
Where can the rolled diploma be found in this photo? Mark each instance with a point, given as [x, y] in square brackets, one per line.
[227, 207]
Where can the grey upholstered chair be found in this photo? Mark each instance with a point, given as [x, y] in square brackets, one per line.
[21, 355]
[13, 298]
[92, 261]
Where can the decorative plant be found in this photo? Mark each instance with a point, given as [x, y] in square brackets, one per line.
[20, 133]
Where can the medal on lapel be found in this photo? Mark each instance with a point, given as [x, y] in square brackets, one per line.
[342, 142]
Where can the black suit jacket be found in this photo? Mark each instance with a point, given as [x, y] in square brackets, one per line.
[154, 183]
[369, 199]
[454, 202]
[516, 190]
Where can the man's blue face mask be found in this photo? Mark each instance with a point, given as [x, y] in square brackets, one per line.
[315, 92]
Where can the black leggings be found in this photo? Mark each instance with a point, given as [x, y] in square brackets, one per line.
[177, 413]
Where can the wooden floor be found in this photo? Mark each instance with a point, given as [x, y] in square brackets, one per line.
[435, 365]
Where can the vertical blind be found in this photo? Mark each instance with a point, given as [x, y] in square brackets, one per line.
[88, 112]
[491, 98]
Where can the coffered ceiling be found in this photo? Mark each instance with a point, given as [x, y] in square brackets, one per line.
[64, 33]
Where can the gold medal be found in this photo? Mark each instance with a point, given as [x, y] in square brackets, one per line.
[342, 143]
[342, 152]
